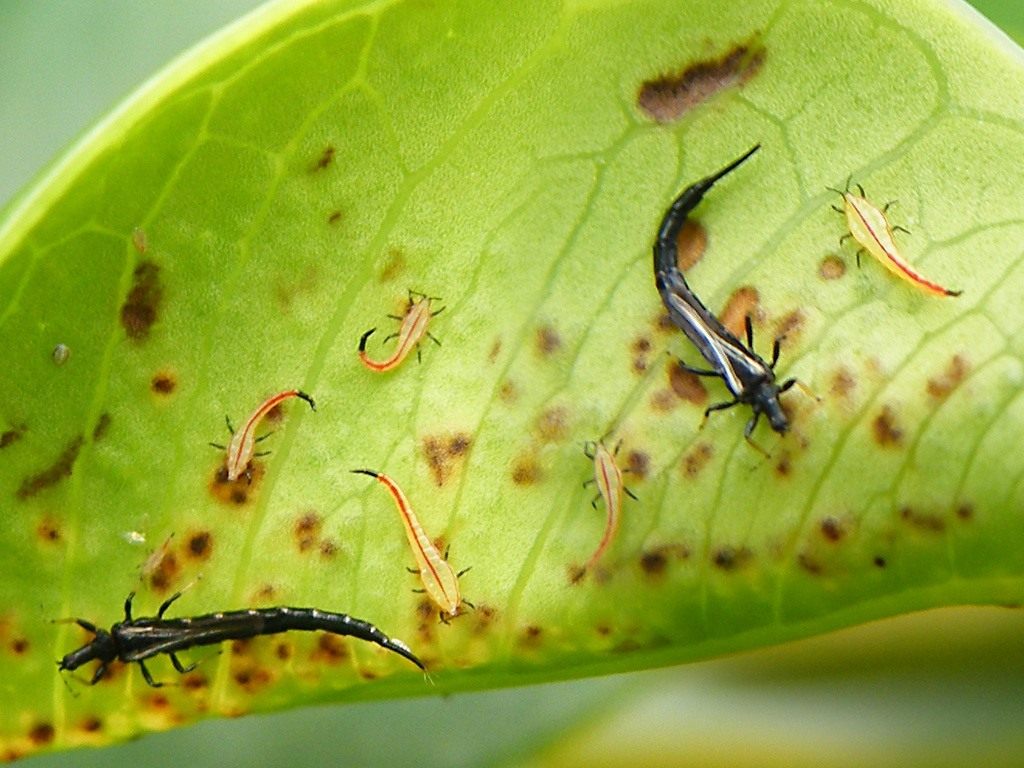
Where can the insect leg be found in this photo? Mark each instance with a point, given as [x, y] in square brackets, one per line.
[719, 407]
[179, 666]
[417, 572]
[589, 448]
[844, 238]
[167, 604]
[898, 228]
[748, 325]
[433, 338]
[396, 317]
[148, 677]
[218, 446]
[88, 626]
[227, 420]
[261, 438]
[593, 501]
[775, 352]
[128, 606]
[695, 372]
[436, 312]
[261, 454]
[389, 337]
[101, 670]
[629, 493]
[460, 574]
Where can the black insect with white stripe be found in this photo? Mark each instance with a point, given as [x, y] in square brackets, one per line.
[143, 638]
[748, 377]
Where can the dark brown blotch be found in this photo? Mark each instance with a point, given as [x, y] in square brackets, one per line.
[832, 528]
[53, 474]
[640, 347]
[91, 724]
[163, 570]
[730, 558]
[158, 701]
[686, 386]
[307, 530]
[576, 574]
[638, 464]
[19, 646]
[483, 618]
[443, 452]
[922, 521]
[879, 561]
[12, 435]
[48, 530]
[163, 383]
[252, 678]
[238, 492]
[790, 325]
[495, 350]
[325, 159]
[743, 303]
[697, 458]
[664, 400]
[663, 323]
[508, 392]
[548, 340]
[831, 268]
[283, 650]
[668, 97]
[965, 512]
[526, 471]
[784, 466]
[194, 681]
[653, 563]
[531, 636]
[199, 545]
[334, 216]
[141, 308]
[330, 649]
[886, 429]
[41, 734]
[328, 549]
[102, 425]
[952, 377]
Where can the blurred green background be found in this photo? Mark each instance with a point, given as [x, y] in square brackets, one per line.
[936, 689]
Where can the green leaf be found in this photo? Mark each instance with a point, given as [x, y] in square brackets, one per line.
[236, 226]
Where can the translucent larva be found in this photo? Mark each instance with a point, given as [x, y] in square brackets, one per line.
[608, 478]
[243, 441]
[440, 582]
[61, 353]
[870, 227]
[410, 334]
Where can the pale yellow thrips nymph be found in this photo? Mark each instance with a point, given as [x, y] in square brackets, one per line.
[410, 334]
[608, 478]
[240, 450]
[440, 581]
[871, 229]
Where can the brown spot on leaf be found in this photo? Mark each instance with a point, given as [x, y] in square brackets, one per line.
[531, 636]
[334, 217]
[663, 323]
[576, 573]
[443, 452]
[236, 493]
[653, 563]
[668, 97]
[142, 306]
[784, 466]
[942, 385]
[199, 545]
[495, 350]
[91, 724]
[163, 383]
[832, 528]
[687, 386]
[307, 531]
[194, 681]
[102, 425]
[508, 392]
[640, 348]
[53, 474]
[690, 244]
[48, 530]
[810, 564]
[41, 734]
[330, 649]
[283, 650]
[553, 424]
[328, 549]
[965, 511]
[696, 459]
[252, 678]
[483, 618]
[879, 561]
[843, 383]
[162, 569]
[789, 325]
[325, 159]
[922, 521]
[394, 266]
[548, 341]
[664, 400]
[19, 646]
[730, 558]
[12, 435]
[887, 431]
[741, 305]
[638, 463]
[831, 268]
[526, 471]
